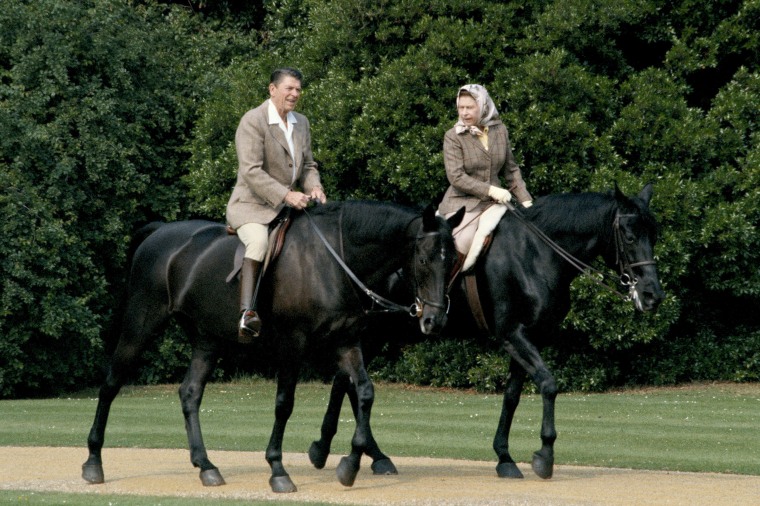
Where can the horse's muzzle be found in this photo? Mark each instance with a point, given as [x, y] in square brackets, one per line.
[431, 325]
[647, 297]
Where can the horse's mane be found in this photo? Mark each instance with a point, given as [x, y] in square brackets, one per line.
[368, 218]
[571, 212]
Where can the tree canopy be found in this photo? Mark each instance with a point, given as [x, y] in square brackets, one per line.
[115, 112]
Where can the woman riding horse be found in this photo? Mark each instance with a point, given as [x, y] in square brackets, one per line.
[523, 283]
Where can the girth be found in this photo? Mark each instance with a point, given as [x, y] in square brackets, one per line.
[470, 285]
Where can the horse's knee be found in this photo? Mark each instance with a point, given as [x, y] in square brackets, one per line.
[547, 386]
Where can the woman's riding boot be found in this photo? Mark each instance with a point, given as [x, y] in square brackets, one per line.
[250, 323]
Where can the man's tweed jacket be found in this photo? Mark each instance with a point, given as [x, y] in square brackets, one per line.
[265, 167]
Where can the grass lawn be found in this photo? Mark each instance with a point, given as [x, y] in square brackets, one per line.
[701, 428]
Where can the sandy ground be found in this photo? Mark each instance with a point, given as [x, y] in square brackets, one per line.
[421, 481]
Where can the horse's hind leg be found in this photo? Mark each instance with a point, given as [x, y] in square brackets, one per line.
[123, 363]
[92, 469]
[320, 450]
[528, 357]
[506, 468]
[191, 394]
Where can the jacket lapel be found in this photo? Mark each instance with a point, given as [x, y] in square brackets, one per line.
[297, 143]
[474, 141]
[279, 136]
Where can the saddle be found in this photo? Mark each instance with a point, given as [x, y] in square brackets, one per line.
[277, 229]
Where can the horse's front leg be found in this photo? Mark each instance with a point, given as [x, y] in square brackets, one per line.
[191, 394]
[352, 363]
[320, 450]
[286, 387]
[506, 468]
[526, 354]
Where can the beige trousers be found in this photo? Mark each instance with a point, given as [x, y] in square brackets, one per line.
[255, 237]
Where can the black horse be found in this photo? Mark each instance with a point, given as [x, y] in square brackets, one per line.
[524, 285]
[308, 303]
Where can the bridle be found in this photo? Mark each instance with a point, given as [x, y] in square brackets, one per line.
[419, 301]
[416, 309]
[625, 266]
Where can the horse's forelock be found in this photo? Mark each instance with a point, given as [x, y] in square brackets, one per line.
[640, 206]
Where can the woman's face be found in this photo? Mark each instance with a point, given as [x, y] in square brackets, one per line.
[469, 113]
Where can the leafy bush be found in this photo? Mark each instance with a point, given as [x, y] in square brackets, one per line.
[104, 128]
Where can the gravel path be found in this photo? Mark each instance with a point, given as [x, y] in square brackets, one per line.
[422, 481]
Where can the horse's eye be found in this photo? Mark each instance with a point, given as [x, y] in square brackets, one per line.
[423, 261]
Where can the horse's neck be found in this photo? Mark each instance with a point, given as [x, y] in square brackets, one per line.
[381, 250]
[586, 232]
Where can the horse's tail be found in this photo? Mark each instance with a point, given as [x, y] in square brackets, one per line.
[112, 336]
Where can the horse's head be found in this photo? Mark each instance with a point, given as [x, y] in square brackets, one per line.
[635, 234]
[432, 264]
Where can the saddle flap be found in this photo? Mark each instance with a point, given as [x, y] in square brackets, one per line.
[277, 233]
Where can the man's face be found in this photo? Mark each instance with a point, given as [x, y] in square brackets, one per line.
[285, 95]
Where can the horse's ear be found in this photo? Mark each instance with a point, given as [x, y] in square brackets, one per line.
[619, 195]
[456, 218]
[646, 193]
[429, 222]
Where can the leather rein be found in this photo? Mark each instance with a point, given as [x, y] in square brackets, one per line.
[415, 310]
[625, 266]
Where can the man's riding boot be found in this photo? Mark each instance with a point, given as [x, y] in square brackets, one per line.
[250, 323]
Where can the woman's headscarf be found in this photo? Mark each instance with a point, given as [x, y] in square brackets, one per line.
[488, 113]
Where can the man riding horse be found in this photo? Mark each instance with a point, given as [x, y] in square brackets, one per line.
[273, 144]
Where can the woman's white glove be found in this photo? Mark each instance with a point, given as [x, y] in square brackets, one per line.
[500, 195]
[527, 204]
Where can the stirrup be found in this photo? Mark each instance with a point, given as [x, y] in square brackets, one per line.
[249, 326]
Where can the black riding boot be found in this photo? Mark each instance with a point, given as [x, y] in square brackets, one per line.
[250, 323]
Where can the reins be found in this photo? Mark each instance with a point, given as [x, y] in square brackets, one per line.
[627, 277]
[389, 306]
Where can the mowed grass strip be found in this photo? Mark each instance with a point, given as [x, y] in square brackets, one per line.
[700, 428]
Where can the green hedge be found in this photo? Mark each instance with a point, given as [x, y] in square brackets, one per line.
[116, 112]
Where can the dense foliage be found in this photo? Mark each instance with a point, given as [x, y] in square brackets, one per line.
[114, 112]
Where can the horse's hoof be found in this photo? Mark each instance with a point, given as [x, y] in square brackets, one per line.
[93, 473]
[384, 466]
[212, 478]
[318, 457]
[508, 470]
[542, 466]
[282, 484]
[347, 472]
